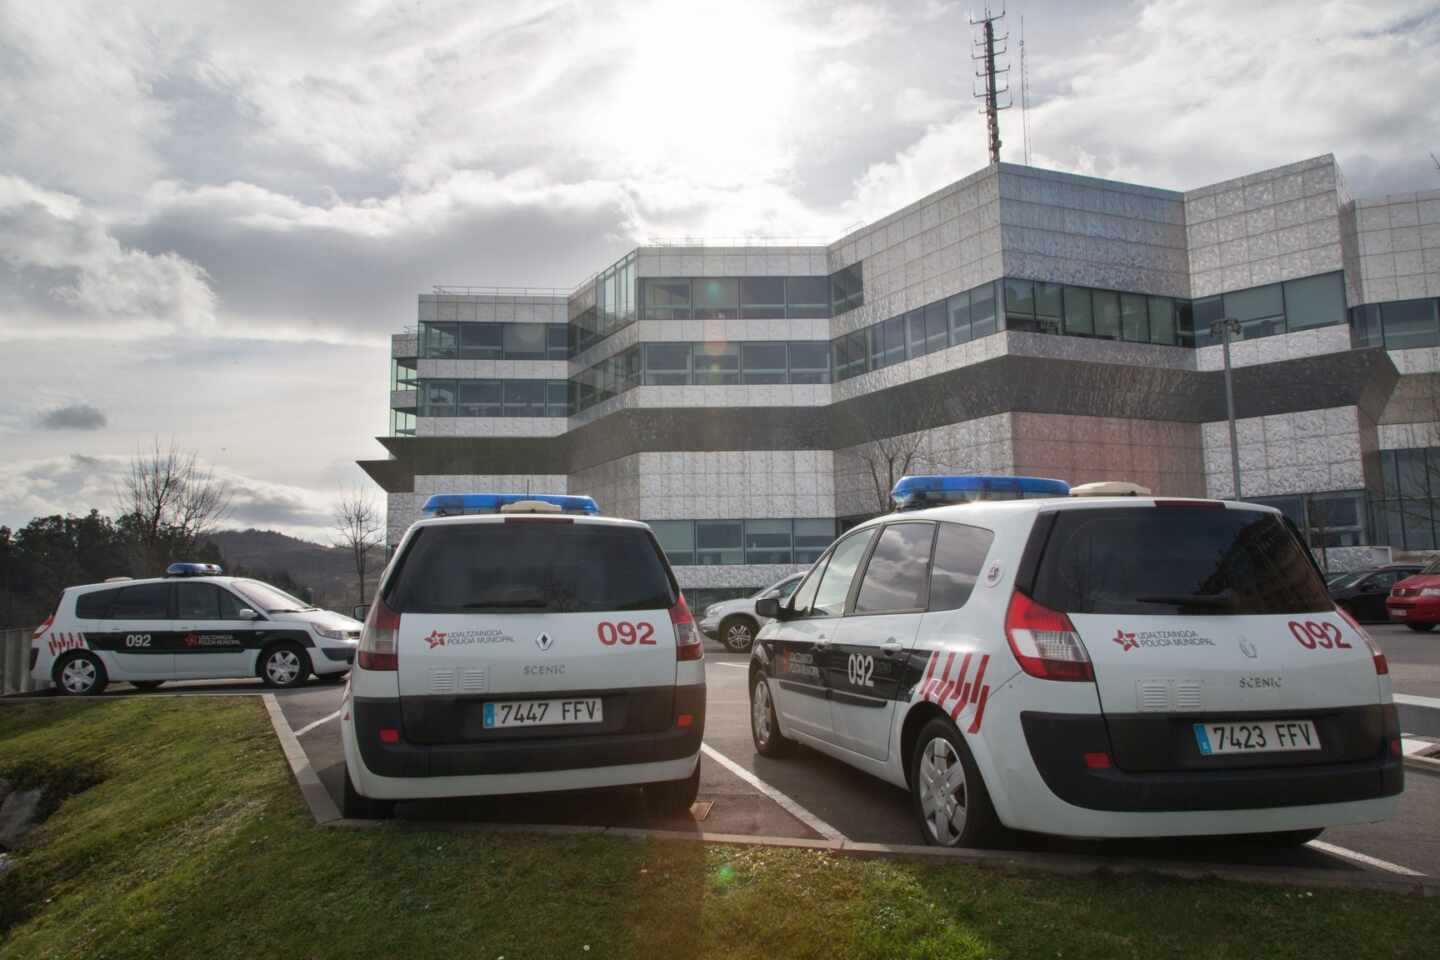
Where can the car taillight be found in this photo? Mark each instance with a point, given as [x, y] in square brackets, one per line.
[39, 633]
[688, 645]
[379, 646]
[1382, 666]
[1045, 642]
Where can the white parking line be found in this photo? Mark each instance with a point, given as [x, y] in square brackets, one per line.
[788, 805]
[1366, 859]
[311, 726]
[724, 663]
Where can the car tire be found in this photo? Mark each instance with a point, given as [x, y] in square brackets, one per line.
[673, 797]
[737, 633]
[354, 806]
[764, 724]
[936, 792]
[80, 674]
[1420, 627]
[146, 684]
[284, 665]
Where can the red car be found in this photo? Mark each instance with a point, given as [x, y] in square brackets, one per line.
[1415, 601]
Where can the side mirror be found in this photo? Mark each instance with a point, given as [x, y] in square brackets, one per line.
[359, 612]
[247, 614]
[768, 607]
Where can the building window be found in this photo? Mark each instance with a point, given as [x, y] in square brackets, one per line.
[959, 309]
[1134, 320]
[767, 541]
[1079, 317]
[525, 341]
[1260, 310]
[441, 340]
[810, 361]
[666, 299]
[1409, 323]
[1162, 321]
[982, 311]
[807, 297]
[1106, 306]
[937, 335]
[715, 298]
[812, 537]
[667, 364]
[677, 539]
[762, 298]
[716, 364]
[1314, 301]
[1365, 329]
[557, 341]
[1206, 311]
[557, 397]
[404, 376]
[525, 398]
[719, 541]
[847, 289]
[437, 398]
[762, 362]
[479, 398]
[481, 341]
[402, 423]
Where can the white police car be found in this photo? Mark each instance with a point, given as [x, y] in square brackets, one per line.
[734, 622]
[1086, 666]
[520, 644]
[193, 624]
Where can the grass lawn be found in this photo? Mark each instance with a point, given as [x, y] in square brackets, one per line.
[185, 836]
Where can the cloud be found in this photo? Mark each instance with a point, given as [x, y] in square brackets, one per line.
[76, 416]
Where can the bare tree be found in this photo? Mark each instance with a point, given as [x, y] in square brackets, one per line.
[168, 502]
[893, 431]
[359, 529]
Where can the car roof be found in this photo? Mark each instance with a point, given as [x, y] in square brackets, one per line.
[469, 518]
[979, 510]
[141, 581]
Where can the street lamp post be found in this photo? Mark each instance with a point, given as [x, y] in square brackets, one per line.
[1225, 328]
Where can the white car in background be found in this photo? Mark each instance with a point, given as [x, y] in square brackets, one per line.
[734, 622]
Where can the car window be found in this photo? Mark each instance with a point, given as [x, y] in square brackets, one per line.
[785, 589]
[197, 601]
[93, 605]
[1381, 580]
[803, 601]
[1177, 560]
[230, 605]
[270, 599]
[530, 566]
[144, 601]
[897, 576]
[840, 572]
[959, 557]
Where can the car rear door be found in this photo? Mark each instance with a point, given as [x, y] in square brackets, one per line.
[866, 663]
[140, 634]
[514, 626]
[1199, 613]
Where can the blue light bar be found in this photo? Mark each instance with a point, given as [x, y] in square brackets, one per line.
[193, 570]
[917, 493]
[457, 504]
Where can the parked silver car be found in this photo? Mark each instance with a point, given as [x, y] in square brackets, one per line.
[734, 622]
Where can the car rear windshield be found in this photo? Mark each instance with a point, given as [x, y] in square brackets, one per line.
[530, 566]
[1176, 560]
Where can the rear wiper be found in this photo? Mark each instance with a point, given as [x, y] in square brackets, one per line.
[1216, 600]
[496, 604]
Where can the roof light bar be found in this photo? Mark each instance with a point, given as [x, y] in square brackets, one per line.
[917, 493]
[192, 570]
[457, 504]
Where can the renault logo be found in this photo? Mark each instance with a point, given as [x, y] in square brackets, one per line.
[1248, 648]
[544, 642]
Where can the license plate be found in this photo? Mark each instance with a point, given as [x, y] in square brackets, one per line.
[1256, 736]
[543, 713]
[1397, 612]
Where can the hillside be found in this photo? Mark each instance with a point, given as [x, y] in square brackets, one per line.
[269, 555]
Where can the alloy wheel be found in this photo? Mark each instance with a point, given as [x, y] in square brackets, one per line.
[78, 675]
[943, 798]
[283, 667]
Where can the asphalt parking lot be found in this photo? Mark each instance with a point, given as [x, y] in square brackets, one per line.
[811, 796]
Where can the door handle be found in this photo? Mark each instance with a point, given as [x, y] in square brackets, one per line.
[892, 647]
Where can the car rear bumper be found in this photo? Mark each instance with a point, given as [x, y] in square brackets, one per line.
[1059, 742]
[520, 756]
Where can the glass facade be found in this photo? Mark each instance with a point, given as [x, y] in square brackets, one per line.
[707, 542]
[715, 363]
[728, 298]
[847, 288]
[1397, 325]
[493, 341]
[492, 398]
[1407, 513]
[1333, 519]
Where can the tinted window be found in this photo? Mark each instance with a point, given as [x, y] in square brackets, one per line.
[1160, 560]
[804, 599]
[197, 601]
[897, 574]
[146, 601]
[229, 605]
[92, 606]
[835, 585]
[527, 566]
[959, 558]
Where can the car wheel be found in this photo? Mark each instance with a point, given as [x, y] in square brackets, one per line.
[146, 684]
[950, 799]
[284, 665]
[353, 806]
[80, 675]
[764, 726]
[673, 797]
[737, 634]
[1421, 627]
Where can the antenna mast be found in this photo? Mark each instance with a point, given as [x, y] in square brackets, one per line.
[1024, 92]
[985, 54]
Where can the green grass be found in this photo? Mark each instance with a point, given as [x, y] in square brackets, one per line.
[181, 834]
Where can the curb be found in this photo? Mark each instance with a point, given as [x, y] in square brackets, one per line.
[317, 798]
[1428, 764]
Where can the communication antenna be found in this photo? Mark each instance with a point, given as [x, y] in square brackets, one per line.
[985, 54]
[1024, 92]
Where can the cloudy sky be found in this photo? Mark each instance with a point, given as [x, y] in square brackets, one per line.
[213, 214]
